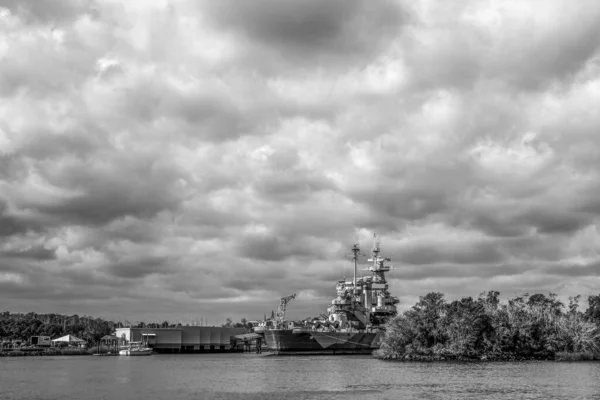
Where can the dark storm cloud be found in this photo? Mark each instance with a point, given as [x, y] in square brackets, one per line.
[126, 229]
[14, 224]
[589, 204]
[38, 253]
[405, 204]
[521, 220]
[414, 192]
[558, 221]
[201, 112]
[110, 189]
[270, 247]
[15, 265]
[471, 253]
[46, 145]
[206, 217]
[493, 225]
[260, 279]
[534, 248]
[309, 31]
[458, 271]
[589, 270]
[139, 267]
[11, 226]
[10, 166]
[104, 203]
[292, 186]
[131, 229]
[30, 291]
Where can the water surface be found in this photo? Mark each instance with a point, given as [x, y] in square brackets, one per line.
[249, 377]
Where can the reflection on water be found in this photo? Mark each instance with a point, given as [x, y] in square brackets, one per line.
[249, 377]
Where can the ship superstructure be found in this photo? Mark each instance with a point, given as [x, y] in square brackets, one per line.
[363, 302]
[354, 320]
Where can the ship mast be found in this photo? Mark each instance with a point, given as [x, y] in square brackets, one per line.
[376, 249]
[355, 251]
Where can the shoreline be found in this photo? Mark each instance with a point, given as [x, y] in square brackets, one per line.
[562, 357]
[507, 357]
[18, 353]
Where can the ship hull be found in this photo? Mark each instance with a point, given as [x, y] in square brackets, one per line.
[288, 342]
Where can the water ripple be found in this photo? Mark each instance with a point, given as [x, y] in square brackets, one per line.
[237, 376]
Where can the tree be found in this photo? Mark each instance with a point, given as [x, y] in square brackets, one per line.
[550, 303]
[228, 323]
[490, 300]
[95, 329]
[468, 328]
[426, 315]
[399, 336]
[574, 304]
[593, 312]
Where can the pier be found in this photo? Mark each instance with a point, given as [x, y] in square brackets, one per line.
[247, 343]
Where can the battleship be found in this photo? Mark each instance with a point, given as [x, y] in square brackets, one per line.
[354, 320]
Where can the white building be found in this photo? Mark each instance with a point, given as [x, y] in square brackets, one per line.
[184, 339]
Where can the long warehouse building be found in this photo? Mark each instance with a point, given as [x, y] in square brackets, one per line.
[184, 339]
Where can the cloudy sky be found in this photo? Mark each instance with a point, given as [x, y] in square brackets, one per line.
[201, 159]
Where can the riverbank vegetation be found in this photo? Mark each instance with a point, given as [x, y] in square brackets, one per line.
[525, 327]
[17, 329]
[48, 352]
[20, 327]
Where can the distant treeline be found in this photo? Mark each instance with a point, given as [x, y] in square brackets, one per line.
[525, 327]
[23, 326]
[242, 324]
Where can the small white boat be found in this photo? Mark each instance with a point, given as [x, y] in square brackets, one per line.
[135, 349]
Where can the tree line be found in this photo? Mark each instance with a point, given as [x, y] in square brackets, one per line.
[525, 327]
[20, 327]
[23, 326]
[242, 324]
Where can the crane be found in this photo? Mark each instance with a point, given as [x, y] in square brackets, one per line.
[281, 309]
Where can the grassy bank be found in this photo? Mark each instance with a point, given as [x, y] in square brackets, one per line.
[424, 357]
[580, 356]
[56, 352]
[46, 352]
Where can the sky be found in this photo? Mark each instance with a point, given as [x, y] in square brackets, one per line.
[198, 160]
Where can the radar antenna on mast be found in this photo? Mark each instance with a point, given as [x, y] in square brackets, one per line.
[376, 243]
[355, 254]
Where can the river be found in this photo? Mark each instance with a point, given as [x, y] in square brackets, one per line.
[250, 377]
